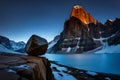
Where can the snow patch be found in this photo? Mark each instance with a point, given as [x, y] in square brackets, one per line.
[17, 45]
[68, 49]
[111, 20]
[24, 66]
[64, 77]
[107, 78]
[58, 67]
[52, 44]
[110, 49]
[61, 75]
[91, 73]
[77, 7]
[11, 71]
[77, 46]
[4, 49]
[77, 38]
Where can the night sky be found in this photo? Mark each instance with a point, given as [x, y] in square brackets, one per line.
[19, 19]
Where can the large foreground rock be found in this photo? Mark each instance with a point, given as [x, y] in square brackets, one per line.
[36, 46]
[19, 67]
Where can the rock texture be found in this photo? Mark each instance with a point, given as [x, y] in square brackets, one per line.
[85, 42]
[21, 67]
[114, 40]
[36, 46]
[75, 37]
[82, 15]
[72, 28]
[9, 76]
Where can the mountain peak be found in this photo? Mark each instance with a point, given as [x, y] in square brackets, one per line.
[82, 15]
[77, 7]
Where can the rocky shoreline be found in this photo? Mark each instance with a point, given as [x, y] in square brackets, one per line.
[83, 74]
[24, 67]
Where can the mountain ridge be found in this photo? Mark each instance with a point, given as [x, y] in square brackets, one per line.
[79, 36]
[10, 45]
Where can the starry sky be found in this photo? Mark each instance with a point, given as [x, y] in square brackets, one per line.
[19, 19]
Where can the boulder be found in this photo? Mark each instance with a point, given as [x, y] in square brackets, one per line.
[36, 46]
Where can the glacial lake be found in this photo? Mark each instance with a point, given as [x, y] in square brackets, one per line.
[106, 63]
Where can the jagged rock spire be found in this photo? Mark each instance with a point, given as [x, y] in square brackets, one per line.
[82, 15]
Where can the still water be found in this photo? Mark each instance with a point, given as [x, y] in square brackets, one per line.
[106, 63]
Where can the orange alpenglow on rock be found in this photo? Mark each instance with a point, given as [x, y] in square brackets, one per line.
[82, 15]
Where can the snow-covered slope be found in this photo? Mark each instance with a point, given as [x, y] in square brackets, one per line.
[17, 45]
[51, 44]
[7, 45]
[4, 49]
[107, 48]
[110, 49]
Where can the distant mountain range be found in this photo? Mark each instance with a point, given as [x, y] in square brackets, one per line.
[7, 45]
[83, 33]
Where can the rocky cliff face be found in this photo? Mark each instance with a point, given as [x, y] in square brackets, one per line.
[82, 33]
[75, 36]
[82, 15]
[72, 28]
